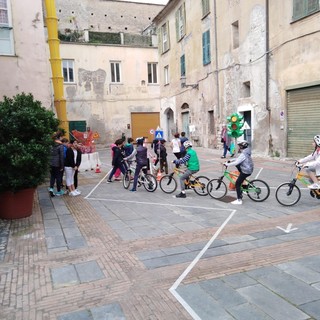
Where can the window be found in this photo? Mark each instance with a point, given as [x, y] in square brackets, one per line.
[166, 75]
[6, 31]
[205, 7]
[246, 89]
[152, 73]
[68, 71]
[303, 8]
[164, 43]
[115, 72]
[181, 22]
[235, 34]
[206, 55]
[182, 66]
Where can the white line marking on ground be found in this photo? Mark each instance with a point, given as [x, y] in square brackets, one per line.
[155, 203]
[191, 266]
[86, 197]
[258, 174]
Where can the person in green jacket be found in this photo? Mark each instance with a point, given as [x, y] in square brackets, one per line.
[192, 162]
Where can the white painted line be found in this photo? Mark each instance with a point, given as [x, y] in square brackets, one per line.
[155, 203]
[86, 197]
[191, 266]
[258, 174]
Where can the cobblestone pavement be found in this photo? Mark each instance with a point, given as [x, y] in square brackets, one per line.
[114, 254]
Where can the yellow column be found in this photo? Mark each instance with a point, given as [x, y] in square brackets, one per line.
[55, 61]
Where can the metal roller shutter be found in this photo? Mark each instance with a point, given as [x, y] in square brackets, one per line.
[303, 120]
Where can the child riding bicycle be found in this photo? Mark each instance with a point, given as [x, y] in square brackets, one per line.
[312, 163]
[193, 166]
[244, 164]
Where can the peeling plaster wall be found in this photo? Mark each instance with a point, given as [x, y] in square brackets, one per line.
[28, 70]
[107, 107]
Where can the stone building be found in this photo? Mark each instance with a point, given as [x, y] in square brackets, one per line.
[110, 67]
[257, 57]
[24, 62]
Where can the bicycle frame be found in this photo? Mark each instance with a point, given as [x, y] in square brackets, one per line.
[304, 179]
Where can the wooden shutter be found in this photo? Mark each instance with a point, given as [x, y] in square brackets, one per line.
[206, 55]
[183, 65]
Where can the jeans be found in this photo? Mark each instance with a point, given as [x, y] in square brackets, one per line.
[184, 177]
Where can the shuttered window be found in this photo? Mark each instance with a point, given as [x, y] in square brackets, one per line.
[181, 22]
[163, 39]
[206, 55]
[183, 66]
[205, 7]
[303, 8]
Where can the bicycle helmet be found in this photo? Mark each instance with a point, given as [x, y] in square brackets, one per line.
[187, 144]
[243, 144]
[316, 139]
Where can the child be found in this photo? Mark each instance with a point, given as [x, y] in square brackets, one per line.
[117, 158]
[312, 163]
[244, 164]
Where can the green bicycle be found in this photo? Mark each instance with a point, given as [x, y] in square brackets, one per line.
[288, 193]
[257, 190]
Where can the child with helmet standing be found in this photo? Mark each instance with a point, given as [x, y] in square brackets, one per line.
[244, 164]
[312, 163]
[193, 166]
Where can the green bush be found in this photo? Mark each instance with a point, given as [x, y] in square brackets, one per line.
[25, 142]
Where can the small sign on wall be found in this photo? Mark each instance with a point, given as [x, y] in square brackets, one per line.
[282, 115]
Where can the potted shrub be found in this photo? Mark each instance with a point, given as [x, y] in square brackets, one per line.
[25, 144]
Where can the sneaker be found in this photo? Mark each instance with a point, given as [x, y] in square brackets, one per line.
[60, 193]
[133, 190]
[73, 194]
[238, 201]
[78, 191]
[232, 155]
[314, 186]
[117, 179]
[51, 192]
[109, 181]
[222, 157]
[181, 195]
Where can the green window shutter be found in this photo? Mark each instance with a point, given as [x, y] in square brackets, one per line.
[177, 25]
[205, 7]
[312, 6]
[298, 9]
[206, 54]
[168, 35]
[184, 21]
[183, 66]
[160, 46]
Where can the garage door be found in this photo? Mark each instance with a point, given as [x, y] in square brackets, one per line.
[303, 120]
[143, 122]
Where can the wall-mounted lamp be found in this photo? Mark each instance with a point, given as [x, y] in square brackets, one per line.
[184, 84]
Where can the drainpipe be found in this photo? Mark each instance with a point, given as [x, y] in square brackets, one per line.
[216, 53]
[268, 78]
[55, 61]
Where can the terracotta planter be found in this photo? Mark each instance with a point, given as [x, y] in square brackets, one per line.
[16, 205]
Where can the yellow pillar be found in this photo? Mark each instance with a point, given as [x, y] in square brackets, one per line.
[55, 61]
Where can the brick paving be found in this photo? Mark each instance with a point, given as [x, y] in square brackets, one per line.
[107, 277]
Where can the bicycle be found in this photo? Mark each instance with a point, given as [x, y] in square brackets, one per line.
[168, 183]
[288, 193]
[146, 179]
[257, 190]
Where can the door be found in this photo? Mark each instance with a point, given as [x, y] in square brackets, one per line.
[143, 122]
[185, 123]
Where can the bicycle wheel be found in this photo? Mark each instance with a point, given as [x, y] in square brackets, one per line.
[258, 190]
[168, 184]
[288, 194]
[150, 182]
[126, 180]
[199, 185]
[217, 188]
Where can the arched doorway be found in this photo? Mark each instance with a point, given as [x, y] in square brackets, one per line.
[170, 126]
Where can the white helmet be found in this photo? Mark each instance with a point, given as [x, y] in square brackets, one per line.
[243, 144]
[316, 139]
[187, 144]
